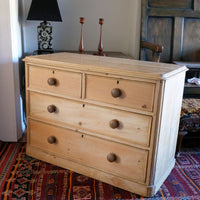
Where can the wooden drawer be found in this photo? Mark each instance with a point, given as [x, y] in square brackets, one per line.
[133, 94]
[55, 81]
[130, 163]
[120, 125]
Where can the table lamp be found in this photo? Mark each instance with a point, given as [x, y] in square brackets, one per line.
[44, 10]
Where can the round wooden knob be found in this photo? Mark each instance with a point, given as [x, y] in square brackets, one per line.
[51, 108]
[116, 92]
[51, 81]
[51, 140]
[114, 123]
[111, 157]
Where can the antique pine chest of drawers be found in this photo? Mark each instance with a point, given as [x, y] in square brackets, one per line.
[112, 119]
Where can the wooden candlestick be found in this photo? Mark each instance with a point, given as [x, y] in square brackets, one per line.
[100, 46]
[81, 45]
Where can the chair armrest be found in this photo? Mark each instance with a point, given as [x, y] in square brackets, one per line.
[153, 47]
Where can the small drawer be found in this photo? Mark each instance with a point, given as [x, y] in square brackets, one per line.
[126, 93]
[110, 157]
[121, 125]
[54, 81]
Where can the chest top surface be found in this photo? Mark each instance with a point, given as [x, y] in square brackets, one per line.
[117, 66]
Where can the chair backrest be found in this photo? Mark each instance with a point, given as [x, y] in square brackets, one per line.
[176, 25]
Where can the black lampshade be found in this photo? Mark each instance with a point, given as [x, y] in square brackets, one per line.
[44, 10]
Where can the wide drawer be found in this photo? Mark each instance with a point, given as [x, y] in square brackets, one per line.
[126, 93]
[111, 157]
[120, 125]
[54, 81]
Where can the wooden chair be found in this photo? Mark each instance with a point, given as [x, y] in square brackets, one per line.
[155, 48]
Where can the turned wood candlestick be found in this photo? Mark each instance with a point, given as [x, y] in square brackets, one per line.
[81, 45]
[100, 46]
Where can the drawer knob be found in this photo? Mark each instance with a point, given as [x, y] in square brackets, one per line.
[114, 123]
[51, 108]
[116, 92]
[111, 157]
[51, 81]
[51, 140]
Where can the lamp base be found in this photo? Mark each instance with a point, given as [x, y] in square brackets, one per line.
[45, 36]
[39, 52]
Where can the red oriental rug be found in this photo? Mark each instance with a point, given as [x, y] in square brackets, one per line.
[23, 177]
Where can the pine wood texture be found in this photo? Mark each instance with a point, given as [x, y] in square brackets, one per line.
[132, 127]
[108, 65]
[91, 151]
[135, 94]
[126, 139]
[38, 79]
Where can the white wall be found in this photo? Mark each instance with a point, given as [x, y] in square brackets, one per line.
[10, 120]
[121, 32]
[134, 28]
[121, 27]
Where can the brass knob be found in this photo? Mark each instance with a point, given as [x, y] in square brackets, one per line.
[111, 157]
[51, 108]
[116, 92]
[51, 139]
[114, 123]
[51, 81]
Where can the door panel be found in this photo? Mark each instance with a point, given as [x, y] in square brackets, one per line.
[160, 32]
[180, 4]
[174, 25]
[191, 40]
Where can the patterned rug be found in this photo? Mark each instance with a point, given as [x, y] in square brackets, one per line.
[23, 177]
